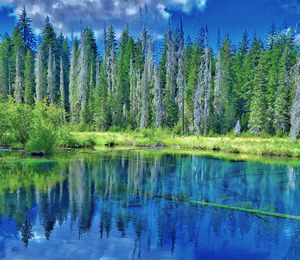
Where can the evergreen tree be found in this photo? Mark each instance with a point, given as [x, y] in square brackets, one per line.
[73, 86]
[170, 87]
[29, 79]
[19, 84]
[5, 74]
[62, 87]
[249, 67]
[82, 76]
[158, 98]
[102, 113]
[146, 83]
[24, 25]
[257, 120]
[193, 54]
[239, 75]
[203, 94]
[16, 63]
[218, 96]
[181, 78]
[123, 76]
[282, 99]
[39, 78]
[51, 77]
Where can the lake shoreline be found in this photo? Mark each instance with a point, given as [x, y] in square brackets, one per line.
[268, 147]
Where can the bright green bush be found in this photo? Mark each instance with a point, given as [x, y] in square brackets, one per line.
[15, 122]
[42, 140]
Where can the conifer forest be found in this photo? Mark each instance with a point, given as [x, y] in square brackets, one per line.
[181, 84]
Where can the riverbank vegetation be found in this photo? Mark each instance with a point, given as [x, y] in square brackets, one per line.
[61, 85]
[246, 144]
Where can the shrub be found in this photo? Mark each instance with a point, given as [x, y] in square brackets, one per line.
[45, 125]
[42, 140]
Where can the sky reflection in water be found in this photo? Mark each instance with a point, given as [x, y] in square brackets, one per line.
[130, 205]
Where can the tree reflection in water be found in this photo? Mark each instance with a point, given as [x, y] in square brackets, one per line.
[144, 198]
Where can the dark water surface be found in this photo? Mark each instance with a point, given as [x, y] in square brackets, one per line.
[134, 205]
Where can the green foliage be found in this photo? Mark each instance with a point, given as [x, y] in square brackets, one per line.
[115, 89]
[42, 140]
[39, 128]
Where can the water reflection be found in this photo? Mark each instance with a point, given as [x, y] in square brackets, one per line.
[134, 205]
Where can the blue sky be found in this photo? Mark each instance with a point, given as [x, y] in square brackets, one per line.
[232, 16]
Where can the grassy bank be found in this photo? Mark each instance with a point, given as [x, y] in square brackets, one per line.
[274, 146]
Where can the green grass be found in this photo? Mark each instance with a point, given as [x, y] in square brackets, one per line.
[271, 146]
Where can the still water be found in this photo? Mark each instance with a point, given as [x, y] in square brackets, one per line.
[134, 205]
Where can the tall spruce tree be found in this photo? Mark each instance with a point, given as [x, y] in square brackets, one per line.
[170, 87]
[282, 99]
[25, 29]
[73, 83]
[82, 76]
[51, 74]
[5, 74]
[29, 78]
[158, 98]
[203, 94]
[257, 120]
[180, 81]
[39, 78]
[62, 88]
[19, 83]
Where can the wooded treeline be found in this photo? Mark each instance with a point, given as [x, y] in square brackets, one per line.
[253, 86]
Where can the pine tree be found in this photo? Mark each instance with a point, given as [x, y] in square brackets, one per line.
[19, 84]
[146, 83]
[123, 76]
[218, 102]
[102, 113]
[51, 77]
[82, 76]
[24, 25]
[229, 116]
[73, 86]
[257, 120]
[239, 75]
[39, 79]
[29, 84]
[64, 52]
[62, 87]
[158, 99]
[170, 87]
[181, 78]
[249, 69]
[5, 79]
[16, 66]
[193, 55]
[282, 100]
[203, 95]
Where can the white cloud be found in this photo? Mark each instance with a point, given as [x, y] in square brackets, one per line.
[68, 15]
[162, 10]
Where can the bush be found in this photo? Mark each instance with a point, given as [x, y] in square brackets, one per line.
[45, 126]
[42, 140]
[15, 122]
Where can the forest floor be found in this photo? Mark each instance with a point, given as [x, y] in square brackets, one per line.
[273, 146]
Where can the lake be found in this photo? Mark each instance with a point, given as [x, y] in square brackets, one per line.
[136, 205]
